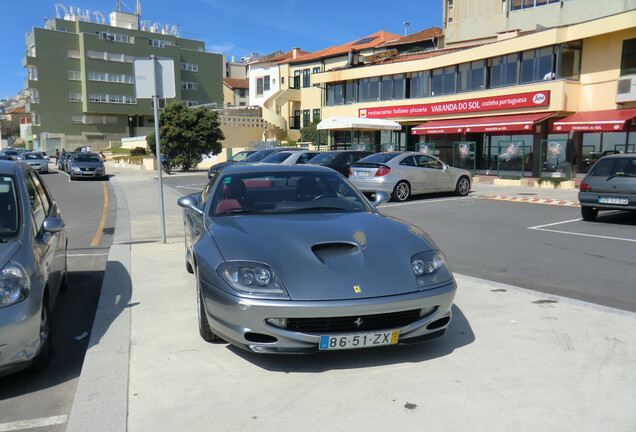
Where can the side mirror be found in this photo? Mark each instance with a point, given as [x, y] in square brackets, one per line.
[444, 167]
[53, 225]
[380, 197]
[190, 202]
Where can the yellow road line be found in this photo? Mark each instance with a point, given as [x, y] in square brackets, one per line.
[100, 229]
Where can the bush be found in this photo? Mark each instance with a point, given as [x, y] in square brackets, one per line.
[138, 151]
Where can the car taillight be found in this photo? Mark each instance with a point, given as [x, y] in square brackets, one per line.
[350, 173]
[382, 171]
[584, 187]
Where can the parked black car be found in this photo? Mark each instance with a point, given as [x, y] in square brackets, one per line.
[339, 160]
[609, 185]
[256, 156]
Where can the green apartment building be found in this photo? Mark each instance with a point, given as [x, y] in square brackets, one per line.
[80, 75]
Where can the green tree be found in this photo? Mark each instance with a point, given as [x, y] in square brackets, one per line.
[309, 133]
[187, 134]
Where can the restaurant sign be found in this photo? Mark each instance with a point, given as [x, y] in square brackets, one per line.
[518, 100]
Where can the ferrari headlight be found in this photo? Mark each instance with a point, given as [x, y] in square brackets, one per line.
[430, 268]
[252, 278]
[14, 284]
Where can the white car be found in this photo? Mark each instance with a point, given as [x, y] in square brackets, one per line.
[36, 161]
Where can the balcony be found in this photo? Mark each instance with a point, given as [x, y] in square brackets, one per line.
[28, 60]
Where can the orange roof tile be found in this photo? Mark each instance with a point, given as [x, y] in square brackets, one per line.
[281, 58]
[237, 83]
[427, 34]
[377, 39]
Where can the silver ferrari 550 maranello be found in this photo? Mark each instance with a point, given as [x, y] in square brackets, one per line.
[294, 259]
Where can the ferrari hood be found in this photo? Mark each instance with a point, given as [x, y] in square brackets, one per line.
[327, 257]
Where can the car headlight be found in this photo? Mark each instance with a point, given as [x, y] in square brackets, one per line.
[252, 278]
[14, 284]
[75, 169]
[430, 268]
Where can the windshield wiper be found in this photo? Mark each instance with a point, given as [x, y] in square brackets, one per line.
[234, 211]
[620, 174]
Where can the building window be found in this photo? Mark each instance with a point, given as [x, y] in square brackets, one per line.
[504, 71]
[350, 92]
[74, 75]
[296, 82]
[35, 117]
[266, 83]
[158, 43]
[316, 70]
[241, 92]
[259, 86]
[628, 57]
[75, 97]
[393, 87]
[420, 86]
[306, 78]
[526, 4]
[190, 103]
[316, 114]
[35, 96]
[190, 67]
[306, 120]
[471, 76]
[73, 54]
[443, 81]
[32, 74]
[369, 89]
[117, 37]
[569, 60]
[189, 85]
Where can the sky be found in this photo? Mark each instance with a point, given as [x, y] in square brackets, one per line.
[228, 27]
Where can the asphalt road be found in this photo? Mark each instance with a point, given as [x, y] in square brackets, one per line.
[45, 399]
[509, 242]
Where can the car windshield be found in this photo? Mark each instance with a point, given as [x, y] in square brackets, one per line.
[9, 210]
[240, 156]
[259, 155]
[614, 166]
[33, 156]
[322, 159]
[277, 157]
[379, 157]
[86, 157]
[285, 192]
[12, 152]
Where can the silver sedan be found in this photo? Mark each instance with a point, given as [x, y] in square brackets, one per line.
[37, 161]
[293, 259]
[403, 174]
[32, 267]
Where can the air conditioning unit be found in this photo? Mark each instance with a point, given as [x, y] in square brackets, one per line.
[626, 89]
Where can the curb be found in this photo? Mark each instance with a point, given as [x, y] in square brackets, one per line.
[101, 397]
[532, 200]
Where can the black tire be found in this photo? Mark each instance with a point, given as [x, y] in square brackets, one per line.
[166, 168]
[204, 326]
[401, 191]
[589, 213]
[463, 186]
[43, 357]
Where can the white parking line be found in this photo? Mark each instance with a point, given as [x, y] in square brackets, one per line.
[542, 228]
[34, 423]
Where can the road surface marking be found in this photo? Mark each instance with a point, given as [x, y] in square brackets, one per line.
[34, 423]
[543, 228]
[532, 200]
[424, 201]
[100, 229]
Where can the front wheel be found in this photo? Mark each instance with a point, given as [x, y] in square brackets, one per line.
[204, 326]
[166, 168]
[42, 359]
[589, 213]
[463, 186]
[402, 191]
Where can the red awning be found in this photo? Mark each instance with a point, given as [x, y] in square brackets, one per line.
[517, 122]
[595, 121]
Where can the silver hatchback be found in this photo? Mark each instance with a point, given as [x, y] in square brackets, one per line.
[609, 185]
[403, 174]
[32, 267]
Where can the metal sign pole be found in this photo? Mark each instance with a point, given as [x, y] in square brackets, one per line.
[155, 110]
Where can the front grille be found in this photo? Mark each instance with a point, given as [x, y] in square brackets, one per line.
[347, 324]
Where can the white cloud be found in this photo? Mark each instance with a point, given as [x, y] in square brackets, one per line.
[224, 48]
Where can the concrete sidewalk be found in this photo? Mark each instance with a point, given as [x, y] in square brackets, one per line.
[513, 359]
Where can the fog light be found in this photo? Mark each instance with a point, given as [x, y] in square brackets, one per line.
[426, 311]
[277, 322]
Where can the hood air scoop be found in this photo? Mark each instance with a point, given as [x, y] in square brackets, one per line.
[332, 253]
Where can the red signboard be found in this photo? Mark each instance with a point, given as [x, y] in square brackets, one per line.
[518, 100]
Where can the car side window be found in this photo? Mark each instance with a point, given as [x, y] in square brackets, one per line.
[428, 162]
[37, 208]
[408, 161]
[39, 186]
